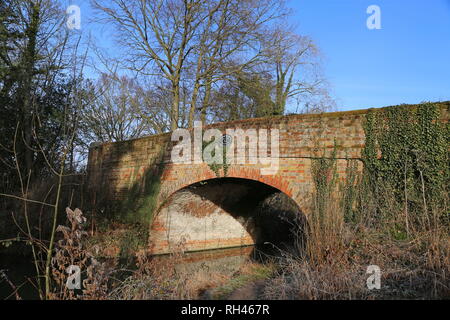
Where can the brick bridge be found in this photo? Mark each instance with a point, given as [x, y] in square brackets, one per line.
[198, 208]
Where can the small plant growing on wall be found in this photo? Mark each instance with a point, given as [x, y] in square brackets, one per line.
[224, 144]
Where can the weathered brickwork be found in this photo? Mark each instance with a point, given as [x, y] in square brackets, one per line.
[114, 168]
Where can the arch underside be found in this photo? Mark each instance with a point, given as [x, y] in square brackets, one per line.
[223, 213]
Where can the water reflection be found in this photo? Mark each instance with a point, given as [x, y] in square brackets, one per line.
[222, 261]
[18, 270]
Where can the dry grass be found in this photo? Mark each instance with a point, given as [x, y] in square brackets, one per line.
[162, 279]
[413, 266]
[333, 267]
[407, 272]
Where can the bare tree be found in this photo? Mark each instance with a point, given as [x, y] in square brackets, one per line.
[114, 114]
[294, 61]
[229, 42]
[190, 43]
[157, 34]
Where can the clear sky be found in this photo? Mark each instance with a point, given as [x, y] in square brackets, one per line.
[407, 61]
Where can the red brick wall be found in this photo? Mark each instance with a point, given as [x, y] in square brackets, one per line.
[115, 167]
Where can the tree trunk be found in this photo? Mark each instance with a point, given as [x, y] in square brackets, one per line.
[175, 106]
[26, 94]
[193, 104]
[206, 101]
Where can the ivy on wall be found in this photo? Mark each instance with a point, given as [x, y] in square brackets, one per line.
[216, 167]
[324, 175]
[407, 152]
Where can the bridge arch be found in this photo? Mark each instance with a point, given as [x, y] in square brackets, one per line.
[224, 212]
[178, 177]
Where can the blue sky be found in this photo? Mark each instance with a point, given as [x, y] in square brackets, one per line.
[407, 61]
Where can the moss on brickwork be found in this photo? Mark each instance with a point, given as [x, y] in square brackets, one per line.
[276, 119]
[123, 225]
[140, 200]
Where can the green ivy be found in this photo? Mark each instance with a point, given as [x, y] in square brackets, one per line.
[216, 167]
[324, 176]
[350, 191]
[406, 151]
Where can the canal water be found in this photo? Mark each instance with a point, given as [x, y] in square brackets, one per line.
[21, 272]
